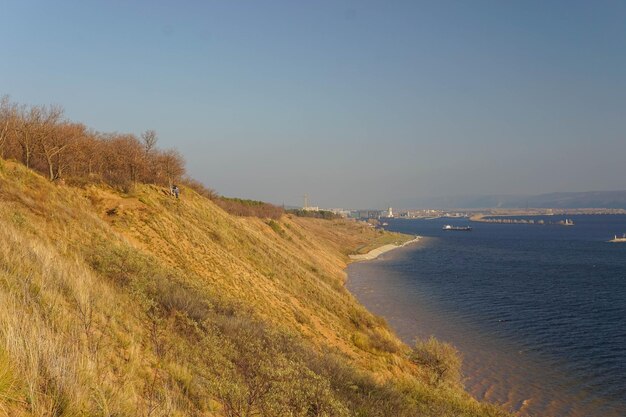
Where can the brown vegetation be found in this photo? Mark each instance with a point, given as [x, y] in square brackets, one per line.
[42, 139]
[249, 208]
[441, 359]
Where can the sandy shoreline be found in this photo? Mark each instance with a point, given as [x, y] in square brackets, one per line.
[375, 253]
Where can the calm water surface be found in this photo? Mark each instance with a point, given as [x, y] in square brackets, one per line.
[538, 311]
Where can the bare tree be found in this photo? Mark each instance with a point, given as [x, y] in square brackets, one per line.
[149, 139]
[172, 165]
[8, 119]
[87, 155]
[46, 142]
[122, 160]
[68, 136]
[52, 139]
[134, 158]
[29, 122]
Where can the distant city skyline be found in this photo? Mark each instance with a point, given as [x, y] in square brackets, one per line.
[357, 104]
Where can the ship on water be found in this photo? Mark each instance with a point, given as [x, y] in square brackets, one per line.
[449, 227]
[618, 239]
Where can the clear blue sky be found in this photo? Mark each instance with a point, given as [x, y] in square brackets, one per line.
[358, 104]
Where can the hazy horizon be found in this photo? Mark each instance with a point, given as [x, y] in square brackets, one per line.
[357, 104]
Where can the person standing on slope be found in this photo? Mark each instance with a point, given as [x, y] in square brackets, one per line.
[175, 190]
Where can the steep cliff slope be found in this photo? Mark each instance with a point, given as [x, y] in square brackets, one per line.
[140, 304]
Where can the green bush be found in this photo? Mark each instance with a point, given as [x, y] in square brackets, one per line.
[320, 214]
[276, 227]
[118, 263]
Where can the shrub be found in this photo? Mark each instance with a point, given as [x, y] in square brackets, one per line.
[374, 340]
[383, 342]
[361, 341]
[276, 228]
[441, 359]
[174, 296]
[200, 188]
[118, 263]
[249, 208]
[267, 374]
[361, 318]
[320, 214]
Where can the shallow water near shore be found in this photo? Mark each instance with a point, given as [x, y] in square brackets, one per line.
[538, 311]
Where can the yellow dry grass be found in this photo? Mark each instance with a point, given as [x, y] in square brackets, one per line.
[140, 304]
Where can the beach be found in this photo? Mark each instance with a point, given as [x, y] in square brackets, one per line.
[375, 253]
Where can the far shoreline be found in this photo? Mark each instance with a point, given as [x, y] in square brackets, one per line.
[375, 253]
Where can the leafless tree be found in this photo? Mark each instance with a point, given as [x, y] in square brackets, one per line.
[52, 139]
[149, 139]
[8, 118]
[44, 141]
[26, 129]
[172, 165]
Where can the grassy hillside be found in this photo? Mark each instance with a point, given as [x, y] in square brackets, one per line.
[143, 305]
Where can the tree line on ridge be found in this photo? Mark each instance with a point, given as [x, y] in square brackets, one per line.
[44, 140]
[41, 138]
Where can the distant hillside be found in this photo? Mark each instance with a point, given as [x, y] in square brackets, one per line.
[590, 199]
[573, 200]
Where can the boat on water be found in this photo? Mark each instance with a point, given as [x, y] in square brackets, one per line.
[449, 227]
[567, 222]
[618, 239]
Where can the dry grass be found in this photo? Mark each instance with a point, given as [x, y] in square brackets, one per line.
[120, 305]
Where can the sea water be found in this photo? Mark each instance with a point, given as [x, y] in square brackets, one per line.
[537, 311]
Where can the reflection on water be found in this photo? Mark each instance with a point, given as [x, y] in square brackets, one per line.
[538, 314]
